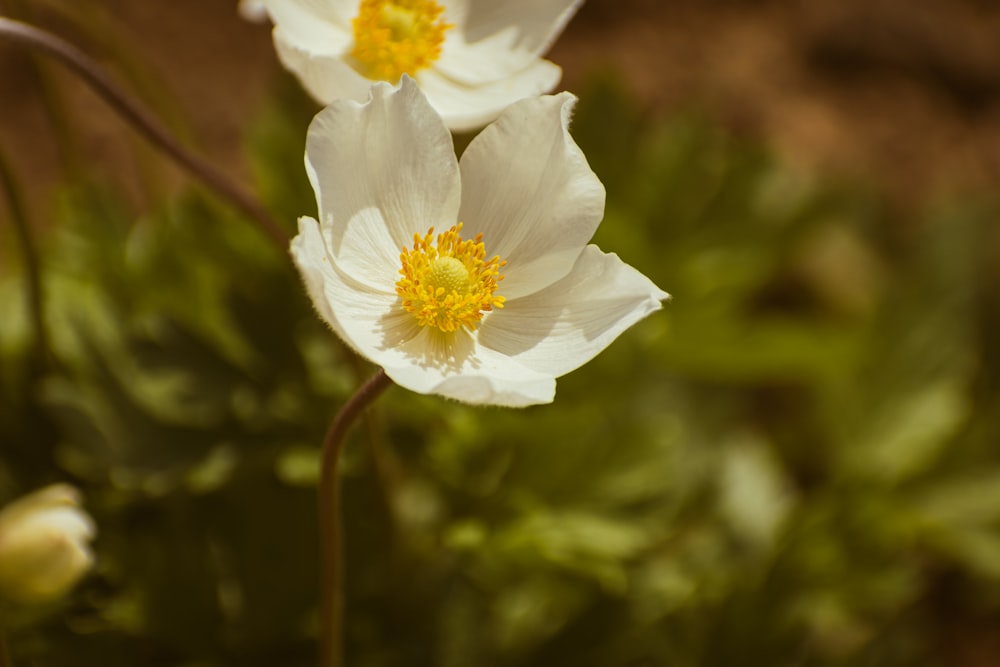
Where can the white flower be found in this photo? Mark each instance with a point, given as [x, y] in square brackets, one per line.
[253, 10]
[440, 318]
[471, 57]
[44, 545]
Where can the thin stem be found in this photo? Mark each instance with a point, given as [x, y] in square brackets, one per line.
[32, 265]
[143, 120]
[387, 468]
[331, 649]
[66, 143]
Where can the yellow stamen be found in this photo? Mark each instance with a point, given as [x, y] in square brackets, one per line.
[396, 37]
[450, 285]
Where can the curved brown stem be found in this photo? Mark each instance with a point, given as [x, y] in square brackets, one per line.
[88, 69]
[331, 563]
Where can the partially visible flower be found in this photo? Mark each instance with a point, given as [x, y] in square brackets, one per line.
[471, 279]
[253, 10]
[471, 57]
[44, 545]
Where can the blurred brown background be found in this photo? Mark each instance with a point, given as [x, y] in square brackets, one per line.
[903, 93]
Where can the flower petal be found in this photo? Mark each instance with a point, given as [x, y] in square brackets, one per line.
[253, 10]
[455, 11]
[382, 172]
[562, 327]
[494, 39]
[489, 60]
[325, 77]
[465, 371]
[528, 188]
[538, 22]
[309, 252]
[469, 107]
[315, 26]
[357, 314]
[69, 523]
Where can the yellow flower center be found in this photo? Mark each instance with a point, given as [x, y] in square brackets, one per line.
[392, 38]
[449, 285]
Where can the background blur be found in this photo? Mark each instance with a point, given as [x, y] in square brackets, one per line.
[796, 463]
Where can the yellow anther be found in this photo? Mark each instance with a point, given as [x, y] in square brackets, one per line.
[451, 284]
[396, 37]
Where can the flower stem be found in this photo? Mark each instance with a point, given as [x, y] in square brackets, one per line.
[52, 99]
[143, 120]
[331, 565]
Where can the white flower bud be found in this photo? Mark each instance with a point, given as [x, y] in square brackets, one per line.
[44, 545]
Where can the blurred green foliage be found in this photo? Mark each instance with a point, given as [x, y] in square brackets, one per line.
[796, 463]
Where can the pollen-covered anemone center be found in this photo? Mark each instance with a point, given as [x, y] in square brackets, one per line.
[449, 285]
[392, 38]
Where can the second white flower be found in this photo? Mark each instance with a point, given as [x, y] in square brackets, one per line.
[471, 57]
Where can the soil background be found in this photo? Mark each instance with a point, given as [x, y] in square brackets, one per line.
[904, 94]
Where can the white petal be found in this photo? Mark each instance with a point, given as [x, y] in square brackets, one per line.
[562, 327]
[68, 522]
[382, 172]
[310, 254]
[455, 11]
[528, 188]
[491, 59]
[462, 370]
[537, 22]
[494, 40]
[253, 10]
[325, 77]
[367, 320]
[316, 26]
[469, 107]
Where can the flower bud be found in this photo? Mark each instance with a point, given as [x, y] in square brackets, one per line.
[44, 545]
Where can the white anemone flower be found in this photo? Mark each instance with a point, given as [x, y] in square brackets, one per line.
[471, 57]
[508, 295]
[44, 545]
